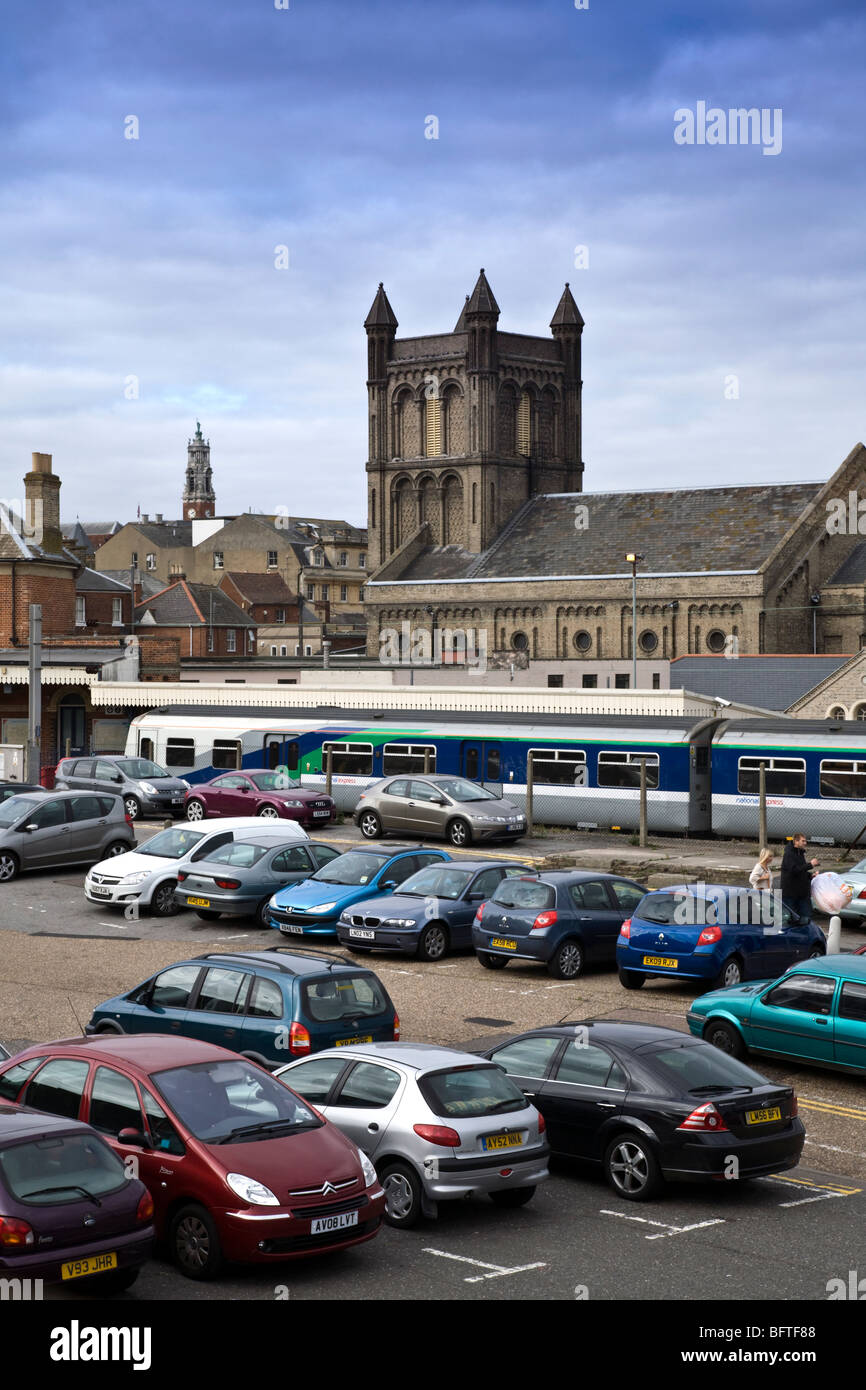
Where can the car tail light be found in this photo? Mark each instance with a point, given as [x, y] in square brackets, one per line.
[480, 913]
[795, 1106]
[862, 893]
[438, 1134]
[396, 1027]
[145, 1208]
[625, 929]
[709, 935]
[544, 919]
[181, 875]
[706, 1118]
[128, 818]
[299, 1039]
[14, 1233]
[541, 1124]
[228, 882]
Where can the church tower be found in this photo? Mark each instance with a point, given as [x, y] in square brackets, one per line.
[199, 499]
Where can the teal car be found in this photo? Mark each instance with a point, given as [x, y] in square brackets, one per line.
[816, 1012]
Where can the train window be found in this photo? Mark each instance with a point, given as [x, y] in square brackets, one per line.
[472, 763]
[494, 765]
[623, 769]
[292, 756]
[843, 779]
[180, 752]
[558, 767]
[784, 776]
[407, 757]
[226, 752]
[349, 759]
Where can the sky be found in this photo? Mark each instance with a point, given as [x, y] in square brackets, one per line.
[723, 287]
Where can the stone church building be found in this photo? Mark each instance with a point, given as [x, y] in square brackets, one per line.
[478, 519]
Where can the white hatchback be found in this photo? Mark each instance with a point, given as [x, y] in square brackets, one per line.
[147, 876]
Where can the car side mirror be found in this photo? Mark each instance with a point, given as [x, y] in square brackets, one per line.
[116, 777]
[477, 897]
[31, 826]
[133, 1137]
[390, 883]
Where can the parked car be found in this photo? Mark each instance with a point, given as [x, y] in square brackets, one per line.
[146, 788]
[453, 807]
[714, 933]
[268, 794]
[50, 831]
[8, 789]
[651, 1105]
[238, 1166]
[148, 874]
[313, 908]
[266, 1005]
[855, 877]
[430, 914]
[69, 1209]
[564, 919]
[4, 1052]
[815, 1013]
[438, 1124]
[239, 879]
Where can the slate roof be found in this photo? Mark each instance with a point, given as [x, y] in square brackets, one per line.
[482, 300]
[771, 682]
[165, 532]
[149, 583]
[97, 581]
[14, 544]
[440, 562]
[853, 568]
[262, 588]
[184, 605]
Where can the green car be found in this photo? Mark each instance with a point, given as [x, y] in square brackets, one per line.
[816, 1012]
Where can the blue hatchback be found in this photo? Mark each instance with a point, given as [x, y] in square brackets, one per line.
[714, 933]
[313, 907]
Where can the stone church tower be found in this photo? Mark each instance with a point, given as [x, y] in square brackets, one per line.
[465, 427]
[199, 498]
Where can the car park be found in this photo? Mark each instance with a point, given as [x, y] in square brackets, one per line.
[431, 913]
[313, 908]
[146, 788]
[461, 811]
[815, 1013]
[564, 919]
[713, 933]
[50, 831]
[437, 1123]
[649, 1105]
[271, 795]
[238, 879]
[147, 875]
[69, 1211]
[267, 1005]
[240, 1169]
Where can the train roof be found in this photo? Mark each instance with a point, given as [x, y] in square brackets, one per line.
[338, 715]
[790, 730]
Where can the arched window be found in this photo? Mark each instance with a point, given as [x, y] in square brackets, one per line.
[524, 425]
[433, 426]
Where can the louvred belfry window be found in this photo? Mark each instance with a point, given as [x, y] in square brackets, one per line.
[433, 432]
[524, 425]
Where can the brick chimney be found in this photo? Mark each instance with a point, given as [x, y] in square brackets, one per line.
[42, 493]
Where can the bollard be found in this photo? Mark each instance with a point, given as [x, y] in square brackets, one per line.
[834, 936]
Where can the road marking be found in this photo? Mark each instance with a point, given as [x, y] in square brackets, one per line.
[118, 926]
[822, 1197]
[242, 936]
[497, 1271]
[669, 1230]
[828, 1108]
[835, 1187]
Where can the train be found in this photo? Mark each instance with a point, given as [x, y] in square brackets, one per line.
[702, 773]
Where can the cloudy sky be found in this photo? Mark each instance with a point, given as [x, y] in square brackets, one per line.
[724, 290]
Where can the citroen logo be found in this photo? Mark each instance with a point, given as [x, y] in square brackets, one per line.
[327, 1189]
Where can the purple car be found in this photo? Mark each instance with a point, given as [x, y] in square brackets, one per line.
[267, 794]
[69, 1210]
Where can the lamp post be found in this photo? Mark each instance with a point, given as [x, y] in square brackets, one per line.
[633, 561]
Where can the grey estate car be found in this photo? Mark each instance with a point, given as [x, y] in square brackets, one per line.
[437, 1124]
[438, 805]
[146, 788]
[47, 830]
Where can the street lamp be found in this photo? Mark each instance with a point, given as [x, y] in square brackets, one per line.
[633, 561]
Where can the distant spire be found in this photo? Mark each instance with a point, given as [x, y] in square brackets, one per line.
[567, 314]
[381, 314]
[481, 300]
[460, 325]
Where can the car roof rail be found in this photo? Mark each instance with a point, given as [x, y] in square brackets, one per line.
[308, 954]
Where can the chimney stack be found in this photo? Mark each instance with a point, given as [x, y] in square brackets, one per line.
[42, 494]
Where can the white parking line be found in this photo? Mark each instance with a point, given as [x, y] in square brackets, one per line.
[669, 1229]
[242, 936]
[118, 926]
[822, 1197]
[497, 1271]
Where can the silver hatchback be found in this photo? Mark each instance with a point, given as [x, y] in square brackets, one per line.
[48, 830]
[460, 810]
[438, 1124]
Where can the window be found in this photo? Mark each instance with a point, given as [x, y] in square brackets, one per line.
[590, 897]
[308, 650]
[117, 612]
[266, 1000]
[407, 757]
[433, 426]
[180, 752]
[472, 763]
[558, 767]
[349, 759]
[525, 893]
[344, 593]
[524, 425]
[809, 994]
[843, 779]
[627, 895]
[623, 769]
[530, 1057]
[226, 752]
[852, 1003]
[622, 682]
[58, 1087]
[369, 1085]
[80, 611]
[172, 989]
[520, 642]
[424, 791]
[163, 1134]
[657, 681]
[716, 640]
[273, 651]
[356, 996]
[581, 641]
[344, 558]
[290, 861]
[223, 991]
[589, 682]
[88, 807]
[231, 639]
[311, 591]
[133, 559]
[318, 557]
[400, 787]
[281, 615]
[589, 1066]
[272, 560]
[326, 589]
[218, 559]
[784, 776]
[659, 908]
[648, 641]
[150, 561]
[361, 594]
[362, 561]
[314, 1079]
[555, 682]
[49, 813]
[114, 1102]
[12, 1080]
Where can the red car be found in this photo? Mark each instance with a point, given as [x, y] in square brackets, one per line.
[238, 1166]
[267, 794]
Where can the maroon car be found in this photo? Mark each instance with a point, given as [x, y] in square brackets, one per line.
[267, 794]
[238, 1166]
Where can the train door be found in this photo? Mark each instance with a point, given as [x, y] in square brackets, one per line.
[281, 751]
[482, 762]
[700, 783]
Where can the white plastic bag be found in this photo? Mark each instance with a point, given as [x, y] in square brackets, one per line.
[830, 893]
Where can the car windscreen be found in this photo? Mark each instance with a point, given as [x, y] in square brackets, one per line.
[15, 807]
[461, 790]
[141, 767]
[352, 869]
[525, 893]
[271, 781]
[60, 1168]
[697, 1067]
[471, 1093]
[233, 1102]
[349, 997]
[437, 882]
[172, 844]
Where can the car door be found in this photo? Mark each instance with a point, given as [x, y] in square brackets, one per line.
[114, 1104]
[598, 919]
[49, 843]
[216, 1009]
[587, 1086]
[58, 1087]
[461, 914]
[366, 1102]
[230, 796]
[321, 854]
[795, 1018]
[161, 1005]
[315, 1078]
[79, 774]
[528, 1062]
[426, 814]
[392, 804]
[849, 1025]
[291, 865]
[106, 777]
[87, 827]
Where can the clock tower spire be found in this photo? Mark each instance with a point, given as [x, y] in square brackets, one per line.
[199, 498]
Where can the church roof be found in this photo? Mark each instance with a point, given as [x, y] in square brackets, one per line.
[481, 300]
[853, 568]
[567, 313]
[772, 682]
[381, 314]
[440, 562]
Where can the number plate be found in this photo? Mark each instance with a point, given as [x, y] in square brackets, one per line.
[95, 1264]
[504, 941]
[291, 926]
[763, 1117]
[661, 960]
[100, 892]
[321, 813]
[340, 1222]
[364, 935]
[347, 1042]
[490, 1142]
[198, 902]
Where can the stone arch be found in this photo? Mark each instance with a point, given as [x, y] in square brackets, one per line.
[453, 511]
[403, 409]
[506, 419]
[428, 507]
[404, 515]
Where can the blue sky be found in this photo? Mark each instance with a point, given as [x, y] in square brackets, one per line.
[305, 127]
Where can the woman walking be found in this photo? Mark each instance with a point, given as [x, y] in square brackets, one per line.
[761, 876]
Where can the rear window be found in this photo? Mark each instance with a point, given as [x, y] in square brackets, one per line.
[355, 996]
[471, 1092]
[659, 907]
[528, 893]
[696, 1066]
[60, 1169]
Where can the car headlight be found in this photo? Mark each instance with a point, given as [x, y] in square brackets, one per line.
[370, 1175]
[149, 788]
[184, 782]
[399, 922]
[136, 878]
[251, 1191]
[323, 907]
[293, 803]
[491, 819]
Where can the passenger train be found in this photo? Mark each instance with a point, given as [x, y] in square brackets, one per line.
[702, 773]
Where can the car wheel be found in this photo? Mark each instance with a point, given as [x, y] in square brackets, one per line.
[433, 942]
[566, 963]
[513, 1197]
[726, 1038]
[631, 979]
[371, 826]
[207, 916]
[730, 975]
[132, 807]
[631, 1168]
[195, 1244]
[162, 902]
[268, 813]
[459, 833]
[8, 866]
[491, 962]
[195, 810]
[402, 1189]
[117, 847]
[113, 1029]
[816, 953]
[262, 913]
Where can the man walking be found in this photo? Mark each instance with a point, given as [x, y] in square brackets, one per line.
[797, 877]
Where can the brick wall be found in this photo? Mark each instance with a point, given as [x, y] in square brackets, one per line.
[52, 586]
